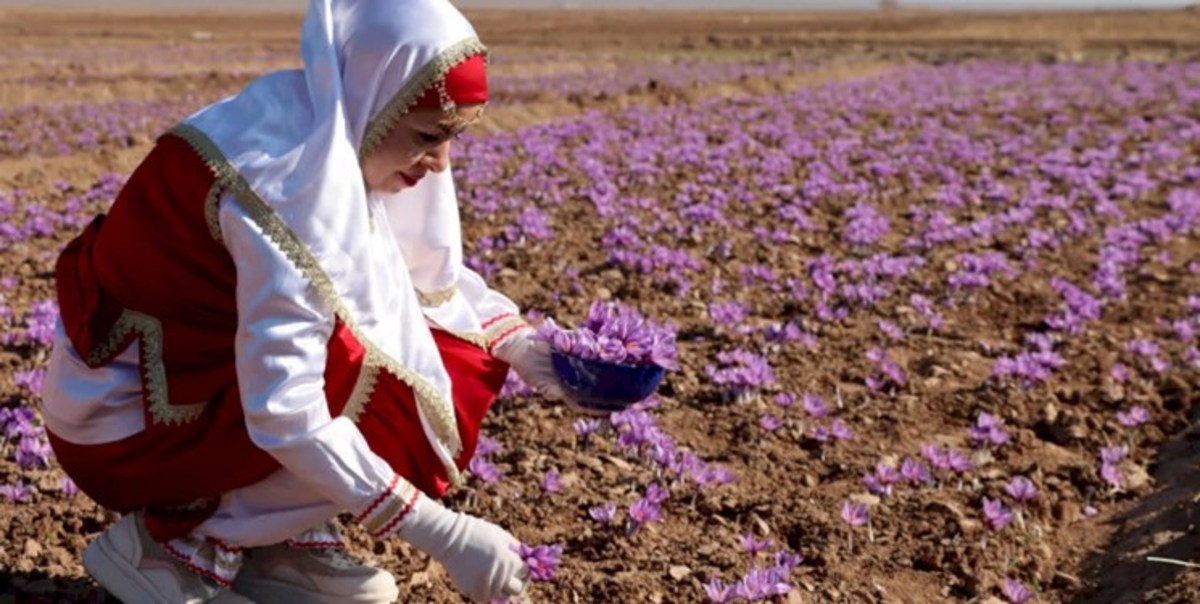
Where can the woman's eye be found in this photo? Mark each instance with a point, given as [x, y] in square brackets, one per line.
[430, 139]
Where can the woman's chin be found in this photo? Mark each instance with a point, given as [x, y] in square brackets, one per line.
[391, 187]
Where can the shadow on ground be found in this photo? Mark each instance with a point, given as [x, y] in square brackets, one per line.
[1162, 525]
[40, 588]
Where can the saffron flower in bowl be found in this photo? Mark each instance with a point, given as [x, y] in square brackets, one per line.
[614, 359]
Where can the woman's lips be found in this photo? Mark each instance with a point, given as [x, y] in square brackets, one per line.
[408, 180]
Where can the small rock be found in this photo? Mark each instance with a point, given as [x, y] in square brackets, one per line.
[866, 498]
[679, 573]
[590, 462]
[1050, 412]
[811, 480]
[1066, 512]
[1136, 478]
[991, 600]
[418, 579]
[991, 473]
[764, 529]
[794, 597]
[33, 549]
[1066, 580]
[603, 293]
[616, 461]
[508, 273]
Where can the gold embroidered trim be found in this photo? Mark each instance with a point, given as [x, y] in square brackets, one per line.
[437, 298]
[364, 387]
[436, 408]
[212, 208]
[381, 125]
[148, 332]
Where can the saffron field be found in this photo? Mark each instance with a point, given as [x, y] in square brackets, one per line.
[938, 321]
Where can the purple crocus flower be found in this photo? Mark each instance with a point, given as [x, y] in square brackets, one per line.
[887, 474]
[840, 430]
[762, 583]
[488, 446]
[586, 427]
[1111, 473]
[68, 487]
[891, 330]
[1112, 455]
[1134, 417]
[821, 434]
[787, 560]
[914, 471]
[770, 423]
[988, 430]
[33, 451]
[753, 546]
[552, 482]
[32, 380]
[17, 492]
[1016, 591]
[717, 591]
[996, 515]
[814, 405]
[484, 470]
[603, 514]
[958, 461]
[657, 494]
[542, 560]
[875, 486]
[854, 514]
[644, 511]
[1021, 489]
[938, 457]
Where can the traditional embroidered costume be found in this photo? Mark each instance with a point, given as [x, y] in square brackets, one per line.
[251, 343]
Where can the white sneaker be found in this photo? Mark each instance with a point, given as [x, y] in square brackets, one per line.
[136, 570]
[281, 573]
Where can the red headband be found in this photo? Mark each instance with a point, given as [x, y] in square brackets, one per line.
[465, 84]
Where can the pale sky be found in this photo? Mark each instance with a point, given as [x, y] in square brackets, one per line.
[298, 5]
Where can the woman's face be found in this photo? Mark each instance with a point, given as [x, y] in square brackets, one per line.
[417, 145]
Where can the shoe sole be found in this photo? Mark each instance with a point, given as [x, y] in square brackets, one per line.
[105, 564]
[272, 591]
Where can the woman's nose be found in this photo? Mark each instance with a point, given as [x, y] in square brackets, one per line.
[438, 158]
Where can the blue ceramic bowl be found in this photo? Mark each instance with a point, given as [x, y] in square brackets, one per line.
[605, 387]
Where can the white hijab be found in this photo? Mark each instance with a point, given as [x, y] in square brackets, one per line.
[295, 139]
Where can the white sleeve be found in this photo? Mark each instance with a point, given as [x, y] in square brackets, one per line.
[499, 315]
[283, 330]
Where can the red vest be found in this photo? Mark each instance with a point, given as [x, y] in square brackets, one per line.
[154, 270]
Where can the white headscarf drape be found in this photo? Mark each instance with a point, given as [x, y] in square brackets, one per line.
[295, 138]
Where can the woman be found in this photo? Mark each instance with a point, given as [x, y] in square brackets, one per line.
[273, 325]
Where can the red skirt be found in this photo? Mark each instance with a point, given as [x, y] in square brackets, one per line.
[177, 474]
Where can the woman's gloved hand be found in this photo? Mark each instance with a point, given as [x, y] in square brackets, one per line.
[480, 557]
[530, 358]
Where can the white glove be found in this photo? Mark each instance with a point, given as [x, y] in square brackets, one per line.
[480, 557]
[530, 358]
